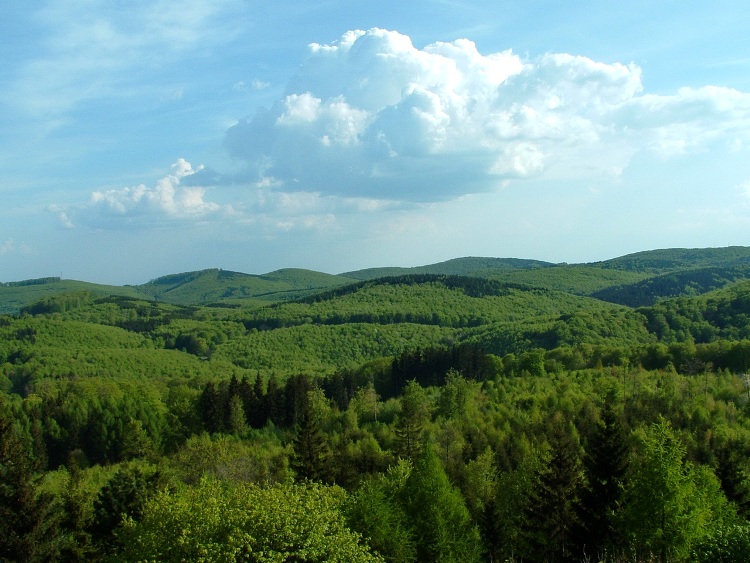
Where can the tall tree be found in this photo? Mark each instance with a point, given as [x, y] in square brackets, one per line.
[375, 510]
[236, 421]
[123, 495]
[209, 404]
[27, 529]
[662, 514]
[311, 451]
[442, 523]
[415, 413]
[605, 462]
[551, 517]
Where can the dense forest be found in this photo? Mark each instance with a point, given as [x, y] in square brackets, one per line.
[474, 410]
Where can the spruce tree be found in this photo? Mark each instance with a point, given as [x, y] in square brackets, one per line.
[259, 413]
[212, 413]
[311, 452]
[551, 516]
[415, 413]
[27, 529]
[247, 395]
[443, 527]
[123, 495]
[236, 422]
[605, 462]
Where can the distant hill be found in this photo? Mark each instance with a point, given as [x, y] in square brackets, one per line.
[217, 286]
[668, 260]
[676, 284]
[633, 280]
[455, 267]
[14, 295]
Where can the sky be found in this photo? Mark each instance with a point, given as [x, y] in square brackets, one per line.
[144, 138]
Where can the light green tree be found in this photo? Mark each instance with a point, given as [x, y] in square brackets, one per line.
[668, 505]
[218, 521]
[415, 413]
[443, 527]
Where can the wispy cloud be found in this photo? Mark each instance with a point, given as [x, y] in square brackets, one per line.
[7, 247]
[101, 49]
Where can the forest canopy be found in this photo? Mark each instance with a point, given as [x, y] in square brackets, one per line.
[521, 411]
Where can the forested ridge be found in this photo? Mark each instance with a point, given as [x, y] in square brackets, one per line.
[477, 410]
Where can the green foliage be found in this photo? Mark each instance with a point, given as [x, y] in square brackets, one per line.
[376, 510]
[677, 284]
[455, 267]
[605, 465]
[223, 286]
[671, 259]
[259, 458]
[219, 522]
[667, 507]
[489, 384]
[443, 527]
[28, 531]
[415, 412]
[123, 496]
[551, 510]
[311, 451]
[15, 295]
[725, 545]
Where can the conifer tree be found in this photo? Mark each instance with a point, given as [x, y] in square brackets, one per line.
[663, 509]
[274, 400]
[77, 545]
[605, 463]
[212, 413]
[415, 412]
[27, 530]
[311, 451]
[123, 495]
[136, 443]
[442, 523]
[247, 395]
[551, 516]
[259, 414]
[732, 471]
[236, 421]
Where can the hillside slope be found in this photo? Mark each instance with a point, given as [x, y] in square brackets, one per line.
[634, 280]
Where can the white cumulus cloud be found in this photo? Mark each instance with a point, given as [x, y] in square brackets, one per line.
[167, 199]
[373, 116]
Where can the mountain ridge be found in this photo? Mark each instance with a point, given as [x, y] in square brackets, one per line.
[700, 270]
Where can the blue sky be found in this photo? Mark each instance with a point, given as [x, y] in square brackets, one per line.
[139, 138]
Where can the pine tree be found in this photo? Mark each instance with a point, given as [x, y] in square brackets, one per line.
[247, 395]
[236, 421]
[551, 516]
[123, 495]
[232, 389]
[259, 414]
[442, 523]
[273, 403]
[415, 412]
[605, 463]
[77, 545]
[311, 451]
[27, 530]
[731, 469]
[136, 443]
[210, 408]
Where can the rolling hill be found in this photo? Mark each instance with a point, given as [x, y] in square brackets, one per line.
[634, 280]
